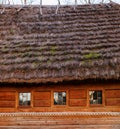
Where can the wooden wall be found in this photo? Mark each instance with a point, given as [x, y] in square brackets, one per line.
[42, 97]
[112, 97]
[77, 97]
[7, 99]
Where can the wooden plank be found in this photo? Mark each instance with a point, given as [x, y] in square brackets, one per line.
[112, 93]
[65, 127]
[7, 95]
[7, 104]
[60, 122]
[112, 102]
[42, 95]
[77, 94]
[78, 102]
[42, 103]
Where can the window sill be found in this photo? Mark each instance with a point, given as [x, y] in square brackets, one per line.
[24, 107]
[96, 105]
[59, 106]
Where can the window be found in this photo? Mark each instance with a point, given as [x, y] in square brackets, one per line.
[59, 98]
[95, 97]
[24, 99]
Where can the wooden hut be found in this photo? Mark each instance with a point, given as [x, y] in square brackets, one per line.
[64, 62]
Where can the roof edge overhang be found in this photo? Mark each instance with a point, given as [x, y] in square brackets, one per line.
[58, 80]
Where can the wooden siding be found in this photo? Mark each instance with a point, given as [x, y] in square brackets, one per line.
[7, 99]
[42, 99]
[60, 120]
[113, 93]
[78, 94]
[78, 102]
[113, 102]
[112, 97]
[77, 99]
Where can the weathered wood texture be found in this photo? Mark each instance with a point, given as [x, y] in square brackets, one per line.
[7, 99]
[77, 98]
[42, 99]
[112, 97]
[59, 122]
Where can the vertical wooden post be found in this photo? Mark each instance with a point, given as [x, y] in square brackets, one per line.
[17, 101]
[32, 99]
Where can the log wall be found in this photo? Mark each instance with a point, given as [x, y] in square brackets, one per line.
[42, 99]
[7, 99]
[77, 97]
[112, 97]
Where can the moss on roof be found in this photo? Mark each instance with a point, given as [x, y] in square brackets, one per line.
[73, 44]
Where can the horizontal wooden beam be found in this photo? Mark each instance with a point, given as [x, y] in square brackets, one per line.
[62, 114]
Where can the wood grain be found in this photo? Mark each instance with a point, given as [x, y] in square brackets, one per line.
[112, 102]
[112, 93]
[42, 95]
[77, 102]
[42, 103]
[7, 95]
[8, 104]
[77, 94]
[77, 98]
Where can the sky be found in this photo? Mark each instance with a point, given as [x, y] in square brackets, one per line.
[54, 2]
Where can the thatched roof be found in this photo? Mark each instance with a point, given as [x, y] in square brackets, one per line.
[71, 45]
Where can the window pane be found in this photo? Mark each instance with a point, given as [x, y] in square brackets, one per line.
[99, 94]
[95, 97]
[59, 98]
[24, 99]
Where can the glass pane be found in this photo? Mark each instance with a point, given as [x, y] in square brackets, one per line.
[95, 97]
[24, 99]
[99, 94]
[64, 98]
[99, 100]
[59, 98]
[55, 98]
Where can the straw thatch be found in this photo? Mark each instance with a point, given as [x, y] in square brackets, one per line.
[81, 43]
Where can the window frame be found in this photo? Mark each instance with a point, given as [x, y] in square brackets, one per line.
[96, 105]
[23, 106]
[66, 98]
